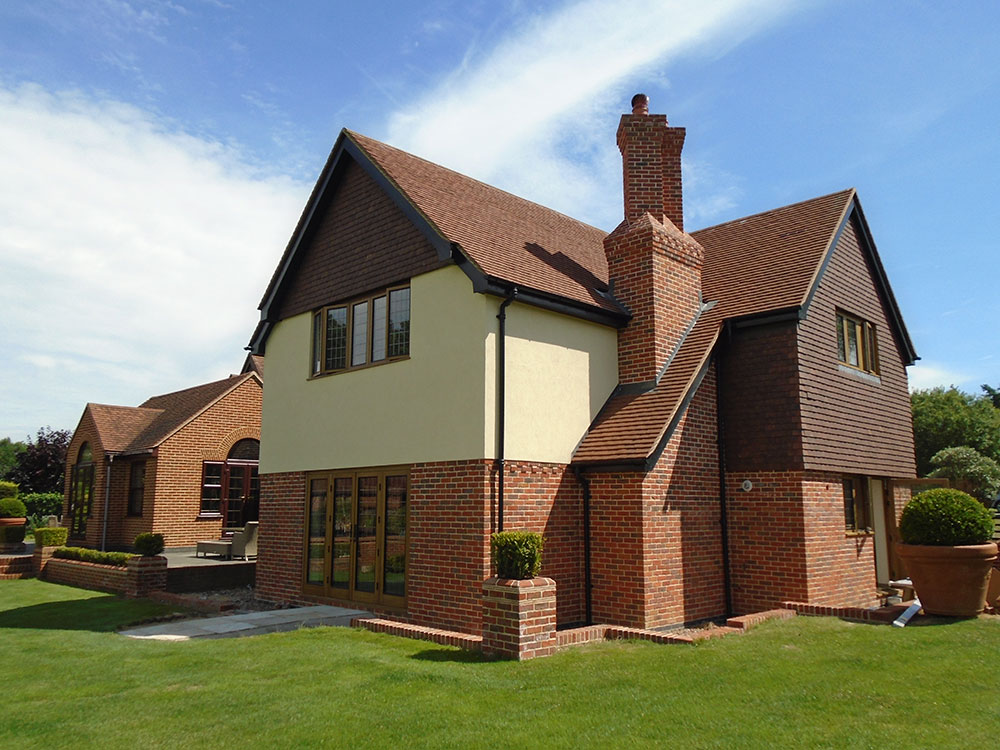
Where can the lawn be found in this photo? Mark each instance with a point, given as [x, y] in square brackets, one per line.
[810, 682]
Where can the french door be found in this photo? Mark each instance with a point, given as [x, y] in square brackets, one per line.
[355, 542]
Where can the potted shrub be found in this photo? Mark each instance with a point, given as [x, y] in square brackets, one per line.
[12, 520]
[947, 551]
[149, 545]
[517, 554]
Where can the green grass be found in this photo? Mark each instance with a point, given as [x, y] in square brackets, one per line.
[808, 682]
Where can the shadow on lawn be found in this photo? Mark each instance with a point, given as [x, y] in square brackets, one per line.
[448, 654]
[99, 614]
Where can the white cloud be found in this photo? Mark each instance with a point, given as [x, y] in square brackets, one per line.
[133, 255]
[931, 375]
[531, 115]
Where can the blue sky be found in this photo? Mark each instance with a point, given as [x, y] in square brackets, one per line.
[155, 155]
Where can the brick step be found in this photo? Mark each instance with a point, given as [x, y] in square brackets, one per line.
[15, 565]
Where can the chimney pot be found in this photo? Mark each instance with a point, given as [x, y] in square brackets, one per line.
[640, 104]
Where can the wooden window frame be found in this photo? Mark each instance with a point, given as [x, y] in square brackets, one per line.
[318, 360]
[857, 506]
[136, 489]
[244, 467]
[867, 342]
[326, 589]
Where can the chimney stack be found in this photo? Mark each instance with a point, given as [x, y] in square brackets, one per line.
[655, 266]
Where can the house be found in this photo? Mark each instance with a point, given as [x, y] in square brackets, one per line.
[183, 464]
[698, 423]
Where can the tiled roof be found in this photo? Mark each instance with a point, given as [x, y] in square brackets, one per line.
[506, 237]
[768, 261]
[630, 427]
[764, 262]
[134, 429]
[117, 426]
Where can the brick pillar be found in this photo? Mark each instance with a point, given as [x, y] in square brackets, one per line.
[519, 618]
[145, 574]
[40, 558]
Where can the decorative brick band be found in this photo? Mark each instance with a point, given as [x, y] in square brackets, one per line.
[519, 618]
[419, 632]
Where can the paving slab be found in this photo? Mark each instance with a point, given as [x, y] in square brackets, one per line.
[250, 623]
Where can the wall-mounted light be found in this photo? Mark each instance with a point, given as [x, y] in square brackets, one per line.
[747, 485]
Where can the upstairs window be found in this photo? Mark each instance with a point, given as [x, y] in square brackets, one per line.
[857, 345]
[362, 332]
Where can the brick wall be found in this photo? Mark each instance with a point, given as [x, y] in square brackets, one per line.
[281, 536]
[656, 538]
[787, 543]
[176, 504]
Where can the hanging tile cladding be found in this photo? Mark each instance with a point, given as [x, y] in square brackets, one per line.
[760, 406]
[848, 422]
[359, 242]
[787, 543]
[656, 536]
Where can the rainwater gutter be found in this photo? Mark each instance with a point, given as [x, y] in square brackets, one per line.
[723, 501]
[501, 400]
[107, 501]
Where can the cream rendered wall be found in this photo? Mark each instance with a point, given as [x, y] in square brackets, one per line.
[560, 372]
[439, 405]
[426, 408]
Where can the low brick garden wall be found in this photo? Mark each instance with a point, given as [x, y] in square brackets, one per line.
[141, 576]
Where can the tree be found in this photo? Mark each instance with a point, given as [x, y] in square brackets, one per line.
[947, 417]
[993, 393]
[968, 470]
[8, 455]
[41, 466]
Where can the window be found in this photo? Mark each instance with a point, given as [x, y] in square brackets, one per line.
[81, 491]
[363, 332]
[136, 487]
[857, 507]
[857, 344]
[231, 488]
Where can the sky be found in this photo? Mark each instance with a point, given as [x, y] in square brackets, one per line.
[155, 154]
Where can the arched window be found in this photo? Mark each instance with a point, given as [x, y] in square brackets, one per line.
[81, 491]
[231, 488]
[247, 449]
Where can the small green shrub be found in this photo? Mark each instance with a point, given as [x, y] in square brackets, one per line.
[517, 554]
[51, 536]
[43, 503]
[11, 534]
[8, 489]
[11, 507]
[116, 559]
[149, 545]
[945, 517]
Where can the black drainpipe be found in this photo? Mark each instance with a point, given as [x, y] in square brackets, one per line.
[501, 392]
[107, 501]
[723, 513]
[585, 484]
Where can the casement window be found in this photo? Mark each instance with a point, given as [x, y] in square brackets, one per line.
[231, 488]
[857, 506]
[857, 344]
[362, 332]
[81, 491]
[136, 487]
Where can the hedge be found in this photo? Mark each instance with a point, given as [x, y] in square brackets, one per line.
[117, 559]
[51, 536]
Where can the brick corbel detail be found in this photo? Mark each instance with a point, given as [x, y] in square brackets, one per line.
[519, 618]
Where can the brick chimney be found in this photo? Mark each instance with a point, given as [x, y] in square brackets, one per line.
[654, 265]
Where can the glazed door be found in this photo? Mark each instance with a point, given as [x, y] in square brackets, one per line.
[356, 526]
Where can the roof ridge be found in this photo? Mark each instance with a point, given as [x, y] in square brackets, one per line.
[356, 135]
[738, 219]
[192, 388]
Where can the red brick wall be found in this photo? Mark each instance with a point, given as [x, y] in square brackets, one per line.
[209, 437]
[86, 432]
[787, 543]
[281, 537]
[656, 543]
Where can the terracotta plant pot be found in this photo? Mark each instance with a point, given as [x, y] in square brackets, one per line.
[950, 581]
[13, 521]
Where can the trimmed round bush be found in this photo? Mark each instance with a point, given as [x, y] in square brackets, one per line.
[945, 517]
[11, 507]
[8, 489]
[517, 554]
[51, 536]
[149, 545]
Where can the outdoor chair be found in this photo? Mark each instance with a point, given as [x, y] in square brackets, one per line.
[244, 543]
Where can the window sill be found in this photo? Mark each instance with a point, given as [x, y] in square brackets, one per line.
[208, 517]
[861, 374]
[855, 534]
[357, 368]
